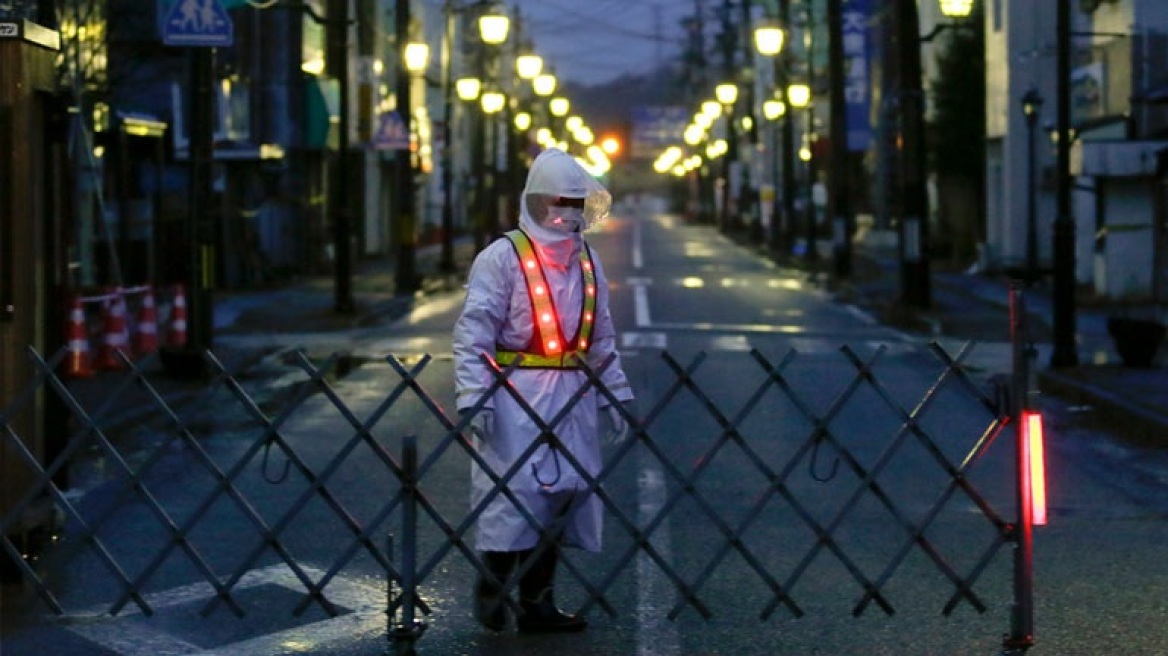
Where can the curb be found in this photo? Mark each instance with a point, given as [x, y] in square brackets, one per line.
[1138, 423]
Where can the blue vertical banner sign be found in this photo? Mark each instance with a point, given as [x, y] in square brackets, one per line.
[857, 15]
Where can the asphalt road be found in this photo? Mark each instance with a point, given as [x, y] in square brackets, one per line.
[748, 510]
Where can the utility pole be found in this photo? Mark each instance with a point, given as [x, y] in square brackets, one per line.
[405, 273]
[783, 80]
[696, 78]
[446, 261]
[1064, 353]
[337, 30]
[201, 227]
[478, 146]
[811, 227]
[914, 201]
[728, 42]
[749, 199]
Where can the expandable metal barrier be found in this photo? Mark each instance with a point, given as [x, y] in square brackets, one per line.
[405, 576]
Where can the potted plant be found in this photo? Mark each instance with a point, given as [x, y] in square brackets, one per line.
[1136, 340]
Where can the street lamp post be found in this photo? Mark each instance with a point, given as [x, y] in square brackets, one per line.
[773, 110]
[558, 107]
[1031, 107]
[768, 39]
[468, 90]
[492, 102]
[494, 25]
[799, 97]
[529, 67]
[727, 95]
[839, 189]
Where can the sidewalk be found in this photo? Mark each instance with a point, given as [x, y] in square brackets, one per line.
[973, 306]
[307, 304]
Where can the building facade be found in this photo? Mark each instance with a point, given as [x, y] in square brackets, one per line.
[1119, 87]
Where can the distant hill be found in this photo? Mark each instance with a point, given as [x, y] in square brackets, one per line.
[608, 108]
[609, 104]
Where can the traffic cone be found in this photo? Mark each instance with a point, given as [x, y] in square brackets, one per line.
[114, 333]
[177, 336]
[78, 364]
[146, 339]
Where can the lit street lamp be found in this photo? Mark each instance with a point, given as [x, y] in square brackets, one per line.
[493, 26]
[493, 102]
[468, 88]
[528, 66]
[726, 93]
[544, 84]
[768, 39]
[1031, 107]
[416, 56]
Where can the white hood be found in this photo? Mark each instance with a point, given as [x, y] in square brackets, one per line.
[555, 173]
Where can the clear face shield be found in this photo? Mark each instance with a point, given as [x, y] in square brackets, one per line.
[562, 196]
[557, 213]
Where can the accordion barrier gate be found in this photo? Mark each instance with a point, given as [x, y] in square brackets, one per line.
[779, 459]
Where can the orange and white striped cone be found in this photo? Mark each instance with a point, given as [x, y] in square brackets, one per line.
[177, 336]
[146, 338]
[114, 337]
[77, 365]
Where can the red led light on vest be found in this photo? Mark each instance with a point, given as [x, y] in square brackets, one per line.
[591, 290]
[530, 264]
[587, 266]
[547, 317]
[583, 344]
[539, 290]
[588, 316]
[553, 346]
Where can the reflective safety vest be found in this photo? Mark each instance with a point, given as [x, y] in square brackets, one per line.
[548, 349]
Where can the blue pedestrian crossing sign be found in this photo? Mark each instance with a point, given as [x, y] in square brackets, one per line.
[391, 133]
[199, 23]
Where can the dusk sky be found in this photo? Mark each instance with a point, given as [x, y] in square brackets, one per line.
[594, 41]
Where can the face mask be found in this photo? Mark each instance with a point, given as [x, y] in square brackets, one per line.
[565, 219]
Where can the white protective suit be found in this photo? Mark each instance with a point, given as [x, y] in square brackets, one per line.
[497, 312]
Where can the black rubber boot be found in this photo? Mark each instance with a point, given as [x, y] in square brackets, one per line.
[538, 602]
[490, 604]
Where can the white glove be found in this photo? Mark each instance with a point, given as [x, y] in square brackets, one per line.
[483, 424]
[619, 428]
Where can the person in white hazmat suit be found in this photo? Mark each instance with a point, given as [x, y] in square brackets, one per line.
[539, 292]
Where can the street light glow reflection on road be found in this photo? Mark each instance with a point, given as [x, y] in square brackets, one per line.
[785, 283]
